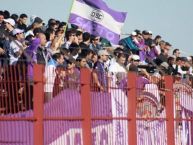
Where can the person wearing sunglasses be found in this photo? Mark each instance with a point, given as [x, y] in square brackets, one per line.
[95, 44]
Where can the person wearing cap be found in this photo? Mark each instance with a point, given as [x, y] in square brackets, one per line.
[100, 71]
[9, 24]
[16, 46]
[164, 66]
[150, 34]
[133, 66]
[129, 43]
[5, 34]
[147, 37]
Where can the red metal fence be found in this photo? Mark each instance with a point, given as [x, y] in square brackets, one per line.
[135, 110]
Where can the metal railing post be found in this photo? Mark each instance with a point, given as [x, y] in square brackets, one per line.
[132, 95]
[169, 110]
[38, 95]
[86, 105]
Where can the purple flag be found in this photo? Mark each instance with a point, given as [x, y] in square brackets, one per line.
[98, 19]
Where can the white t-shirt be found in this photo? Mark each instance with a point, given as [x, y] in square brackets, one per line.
[13, 49]
[50, 75]
[114, 69]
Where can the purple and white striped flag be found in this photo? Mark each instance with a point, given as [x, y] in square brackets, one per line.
[95, 17]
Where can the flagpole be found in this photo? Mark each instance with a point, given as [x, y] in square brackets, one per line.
[69, 16]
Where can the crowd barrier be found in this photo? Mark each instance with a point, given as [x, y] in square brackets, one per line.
[129, 111]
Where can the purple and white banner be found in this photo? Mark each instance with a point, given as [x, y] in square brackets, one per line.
[114, 104]
[98, 19]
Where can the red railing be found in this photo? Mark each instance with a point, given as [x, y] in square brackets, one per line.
[131, 111]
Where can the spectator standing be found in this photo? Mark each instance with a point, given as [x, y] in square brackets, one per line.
[50, 75]
[42, 52]
[133, 66]
[22, 22]
[163, 57]
[95, 44]
[1, 19]
[176, 53]
[129, 43]
[9, 24]
[16, 46]
[117, 69]
[100, 74]
[157, 41]
[85, 44]
[71, 38]
[37, 23]
[5, 39]
[81, 62]
[88, 53]
[79, 35]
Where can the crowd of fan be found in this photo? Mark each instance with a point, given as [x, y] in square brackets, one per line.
[55, 45]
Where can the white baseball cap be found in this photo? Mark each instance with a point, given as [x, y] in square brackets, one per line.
[17, 31]
[135, 57]
[10, 21]
[134, 33]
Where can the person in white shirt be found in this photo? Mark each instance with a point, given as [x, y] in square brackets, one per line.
[16, 46]
[118, 66]
[118, 100]
[50, 75]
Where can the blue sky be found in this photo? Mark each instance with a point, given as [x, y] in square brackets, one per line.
[172, 19]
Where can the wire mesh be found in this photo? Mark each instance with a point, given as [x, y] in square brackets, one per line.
[109, 109]
[151, 115]
[183, 110]
[62, 111]
[16, 104]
